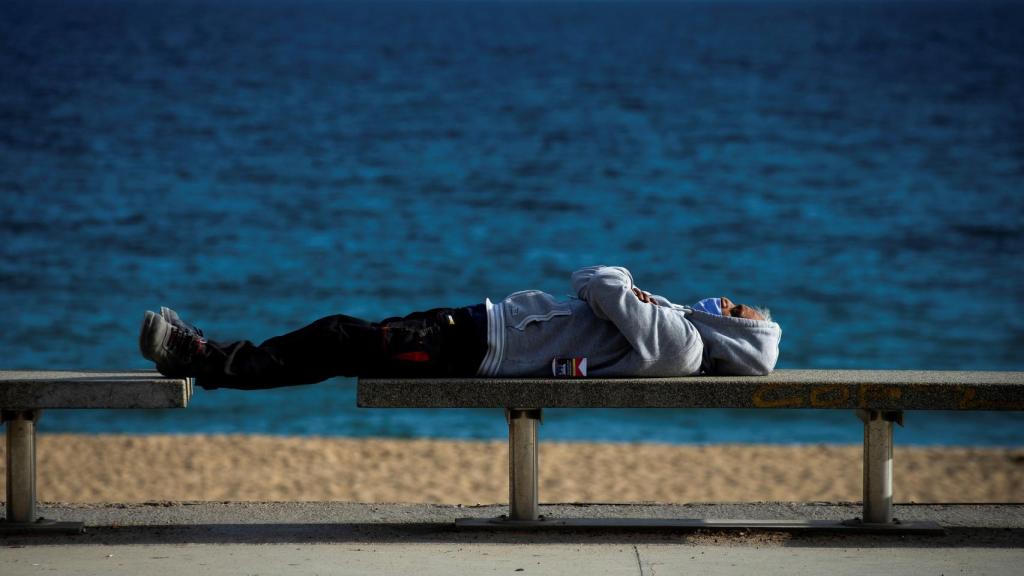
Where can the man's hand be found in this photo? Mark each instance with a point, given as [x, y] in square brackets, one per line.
[643, 296]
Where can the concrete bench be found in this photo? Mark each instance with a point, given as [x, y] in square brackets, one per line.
[23, 396]
[878, 397]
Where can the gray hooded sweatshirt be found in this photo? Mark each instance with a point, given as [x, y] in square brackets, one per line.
[620, 335]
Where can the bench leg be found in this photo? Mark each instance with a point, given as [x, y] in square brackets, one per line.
[522, 464]
[21, 477]
[21, 465]
[878, 464]
[523, 494]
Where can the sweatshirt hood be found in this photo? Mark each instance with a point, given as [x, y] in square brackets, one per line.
[737, 346]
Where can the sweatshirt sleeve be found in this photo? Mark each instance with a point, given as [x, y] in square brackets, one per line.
[653, 331]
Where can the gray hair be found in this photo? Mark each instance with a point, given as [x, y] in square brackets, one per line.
[764, 312]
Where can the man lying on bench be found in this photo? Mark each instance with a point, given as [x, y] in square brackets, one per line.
[612, 328]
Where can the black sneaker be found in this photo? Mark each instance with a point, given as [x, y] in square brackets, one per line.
[175, 350]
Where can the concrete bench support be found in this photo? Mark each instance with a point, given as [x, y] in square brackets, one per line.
[21, 465]
[523, 484]
[524, 496]
[523, 491]
[878, 464]
[24, 395]
[21, 477]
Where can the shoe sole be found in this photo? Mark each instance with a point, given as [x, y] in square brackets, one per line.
[154, 330]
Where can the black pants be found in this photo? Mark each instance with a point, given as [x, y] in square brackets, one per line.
[443, 342]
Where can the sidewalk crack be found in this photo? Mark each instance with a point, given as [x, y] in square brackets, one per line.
[638, 563]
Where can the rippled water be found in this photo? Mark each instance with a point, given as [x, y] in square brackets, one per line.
[859, 168]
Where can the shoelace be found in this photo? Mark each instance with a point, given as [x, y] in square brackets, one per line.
[189, 328]
[181, 325]
[184, 343]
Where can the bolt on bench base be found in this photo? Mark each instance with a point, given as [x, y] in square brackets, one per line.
[686, 524]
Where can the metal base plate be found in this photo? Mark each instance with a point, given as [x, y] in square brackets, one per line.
[686, 524]
[41, 525]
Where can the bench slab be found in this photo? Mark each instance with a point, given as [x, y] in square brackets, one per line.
[32, 390]
[838, 389]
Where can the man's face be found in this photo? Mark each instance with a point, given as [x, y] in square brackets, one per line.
[739, 310]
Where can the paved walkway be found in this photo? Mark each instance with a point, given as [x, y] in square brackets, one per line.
[340, 538]
[512, 559]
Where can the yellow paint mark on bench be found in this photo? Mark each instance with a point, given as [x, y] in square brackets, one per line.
[969, 401]
[829, 395]
[778, 396]
[873, 394]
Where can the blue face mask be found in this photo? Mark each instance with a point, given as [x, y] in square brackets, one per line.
[710, 305]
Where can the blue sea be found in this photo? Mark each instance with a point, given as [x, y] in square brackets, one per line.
[858, 167]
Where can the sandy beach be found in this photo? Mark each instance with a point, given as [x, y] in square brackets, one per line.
[108, 468]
